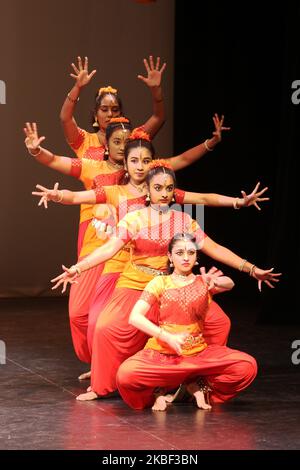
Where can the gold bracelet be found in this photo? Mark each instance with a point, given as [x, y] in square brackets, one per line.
[242, 265]
[71, 99]
[207, 147]
[77, 269]
[251, 271]
[60, 196]
[160, 333]
[35, 154]
[235, 204]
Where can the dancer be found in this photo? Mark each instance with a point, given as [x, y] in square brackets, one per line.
[150, 231]
[107, 105]
[177, 351]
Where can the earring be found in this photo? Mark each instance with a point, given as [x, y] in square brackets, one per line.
[171, 264]
[173, 199]
[196, 264]
[106, 152]
[95, 124]
[126, 175]
[148, 197]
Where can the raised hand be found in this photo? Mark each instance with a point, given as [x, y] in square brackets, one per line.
[211, 276]
[154, 73]
[219, 128]
[47, 194]
[266, 276]
[253, 198]
[69, 276]
[82, 75]
[32, 140]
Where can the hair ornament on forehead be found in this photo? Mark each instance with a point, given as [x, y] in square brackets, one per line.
[160, 164]
[138, 133]
[107, 89]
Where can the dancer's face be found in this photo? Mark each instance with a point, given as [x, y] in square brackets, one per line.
[137, 165]
[116, 144]
[161, 189]
[183, 256]
[109, 108]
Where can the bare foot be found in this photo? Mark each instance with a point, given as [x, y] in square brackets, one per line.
[160, 403]
[89, 389]
[177, 396]
[85, 376]
[87, 396]
[194, 390]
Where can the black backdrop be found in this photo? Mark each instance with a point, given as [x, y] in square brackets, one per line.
[241, 60]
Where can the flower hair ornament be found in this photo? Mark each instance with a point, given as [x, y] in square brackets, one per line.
[159, 163]
[138, 133]
[119, 119]
[107, 89]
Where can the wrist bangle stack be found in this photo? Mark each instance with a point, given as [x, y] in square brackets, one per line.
[242, 265]
[71, 99]
[207, 147]
[251, 272]
[235, 204]
[35, 154]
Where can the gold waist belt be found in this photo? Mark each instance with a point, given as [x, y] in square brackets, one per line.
[148, 270]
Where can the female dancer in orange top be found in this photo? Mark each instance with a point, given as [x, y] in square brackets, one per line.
[150, 231]
[107, 105]
[177, 351]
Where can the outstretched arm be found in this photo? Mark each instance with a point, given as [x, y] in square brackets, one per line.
[192, 155]
[218, 200]
[64, 196]
[98, 256]
[224, 255]
[82, 78]
[153, 82]
[41, 155]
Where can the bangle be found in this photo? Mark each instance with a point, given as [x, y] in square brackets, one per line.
[159, 333]
[77, 269]
[242, 265]
[207, 147]
[235, 204]
[60, 196]
[35, 154]
[251, 271]
[71, 99]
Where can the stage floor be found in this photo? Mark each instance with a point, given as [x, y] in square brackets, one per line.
[39, 384]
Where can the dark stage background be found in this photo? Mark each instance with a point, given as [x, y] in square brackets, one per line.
[241, 61]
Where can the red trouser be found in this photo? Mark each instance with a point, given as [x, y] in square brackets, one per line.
[80, 298]
[115, 340]
[227, 371]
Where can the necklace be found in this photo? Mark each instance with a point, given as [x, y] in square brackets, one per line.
[140, 188]
[183, 277]
[160, 209]
[117, 166]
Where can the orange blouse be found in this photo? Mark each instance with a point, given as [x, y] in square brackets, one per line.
[182, 309]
